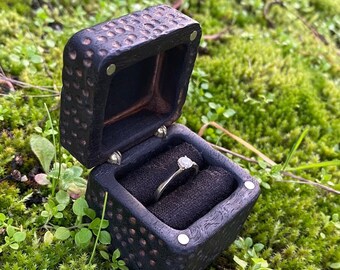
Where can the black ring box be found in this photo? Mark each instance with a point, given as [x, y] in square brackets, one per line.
[123, 80]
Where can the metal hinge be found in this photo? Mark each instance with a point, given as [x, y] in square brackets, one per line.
[161, 132]
[115, 158]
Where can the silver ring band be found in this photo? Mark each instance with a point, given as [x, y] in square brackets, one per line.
[184, 163]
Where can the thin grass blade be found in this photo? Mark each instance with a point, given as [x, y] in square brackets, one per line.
[294, 148]
[315, 165]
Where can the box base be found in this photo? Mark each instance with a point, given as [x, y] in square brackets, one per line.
[145, 241]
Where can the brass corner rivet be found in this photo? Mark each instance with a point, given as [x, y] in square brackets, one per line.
[193, 36]
[111, 69]
[249, 185]
[183, 239]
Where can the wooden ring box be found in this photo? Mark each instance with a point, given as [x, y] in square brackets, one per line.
[123, 80]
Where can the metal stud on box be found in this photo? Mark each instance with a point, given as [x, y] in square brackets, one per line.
[111, 69]
[183, 239]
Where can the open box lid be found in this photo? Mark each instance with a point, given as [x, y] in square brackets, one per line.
[123, 79]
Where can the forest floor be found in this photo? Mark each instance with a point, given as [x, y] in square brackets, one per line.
[268, 72]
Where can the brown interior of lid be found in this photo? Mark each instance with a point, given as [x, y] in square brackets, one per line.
[143, 95]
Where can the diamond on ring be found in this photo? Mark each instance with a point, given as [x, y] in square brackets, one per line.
[184, 163]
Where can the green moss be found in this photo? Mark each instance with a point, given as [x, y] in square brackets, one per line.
[36, 255]
[264, 84]
[329, 7]
[293, 225]
[10, 203]
[274, 98]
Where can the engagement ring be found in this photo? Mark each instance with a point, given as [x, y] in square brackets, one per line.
[184, 163]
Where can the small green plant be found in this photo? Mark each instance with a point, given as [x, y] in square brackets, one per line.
[82, 232]
[52, 210]
[47, 131]
[44, 150]
[264, 173]
[114, 263]
[263, 100]
[97, 225]
[71, 184]
[333, 220]
[14, 235]
[68, 179]
[59, 175]
[250, 260]
[3, 113]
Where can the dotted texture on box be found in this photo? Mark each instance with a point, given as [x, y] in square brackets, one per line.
[141, 248]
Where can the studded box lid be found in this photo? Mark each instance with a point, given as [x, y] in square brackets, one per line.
[123, 79]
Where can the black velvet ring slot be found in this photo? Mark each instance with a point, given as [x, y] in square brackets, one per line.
[144, 180]
[182, 207]
[189, 196]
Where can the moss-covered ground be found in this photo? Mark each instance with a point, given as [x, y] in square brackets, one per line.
[273, 73]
